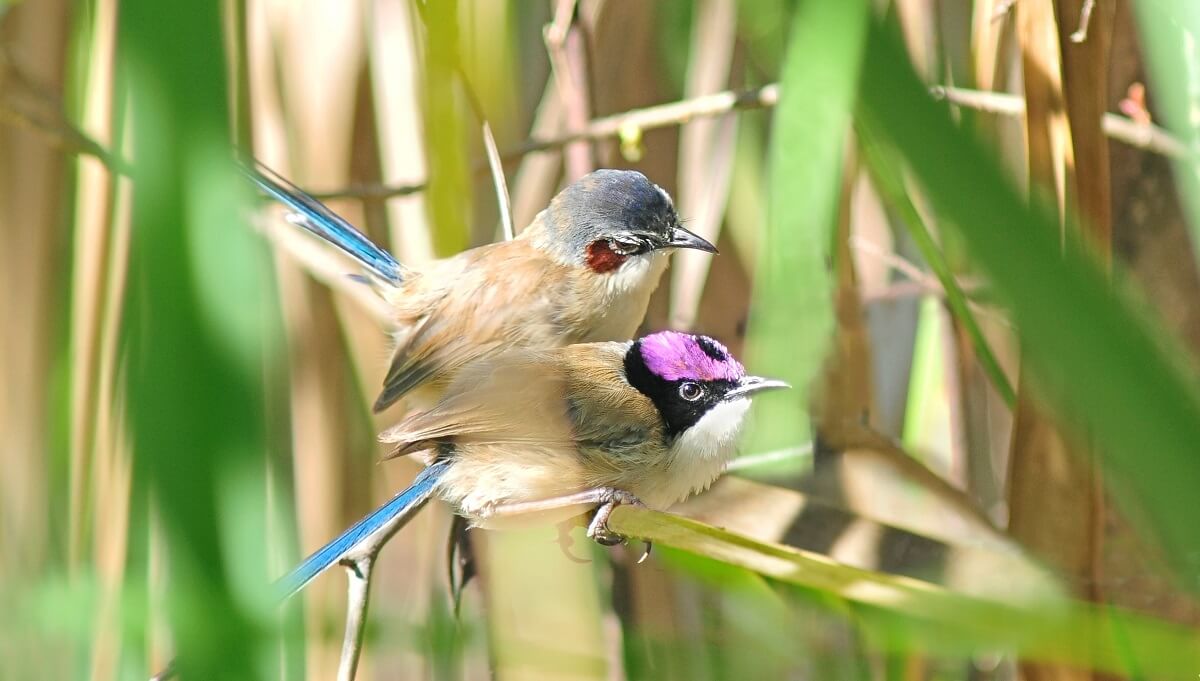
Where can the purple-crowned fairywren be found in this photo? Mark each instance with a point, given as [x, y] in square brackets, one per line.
[548, 434]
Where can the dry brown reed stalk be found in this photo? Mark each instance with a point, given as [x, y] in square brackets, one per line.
[104, 205]
[1056, 516]
[845, 397]
[565, 42]
[92, 308]
[537, 175]
[706, 149]
[33, 197]
[986, 418]
[112, 453]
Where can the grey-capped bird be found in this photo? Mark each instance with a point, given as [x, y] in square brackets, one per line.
[550, 434]
[582, 271]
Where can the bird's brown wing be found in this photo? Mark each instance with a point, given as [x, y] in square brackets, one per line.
[491, 298]
[573, 399]
[516, 397]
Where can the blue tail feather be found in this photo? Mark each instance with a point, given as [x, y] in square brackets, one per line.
[406, 503]
[323, 222]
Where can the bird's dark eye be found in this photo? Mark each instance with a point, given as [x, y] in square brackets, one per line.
[626, 245]
[691, 391]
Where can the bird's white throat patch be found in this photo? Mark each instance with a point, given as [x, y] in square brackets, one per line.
[715, 434]
[639, 273]
[700, 452]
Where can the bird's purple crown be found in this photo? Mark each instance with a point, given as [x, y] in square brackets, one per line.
[673, 356]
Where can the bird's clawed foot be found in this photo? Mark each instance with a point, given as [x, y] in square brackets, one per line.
[598, 529]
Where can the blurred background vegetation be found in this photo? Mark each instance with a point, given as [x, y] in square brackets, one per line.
[966, 228]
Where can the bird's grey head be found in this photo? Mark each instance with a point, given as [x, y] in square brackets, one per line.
[609, 217]
[688, 376]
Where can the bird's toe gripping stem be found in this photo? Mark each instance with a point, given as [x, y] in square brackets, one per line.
[598, 530]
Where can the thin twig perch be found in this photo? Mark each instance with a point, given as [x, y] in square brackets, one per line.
[358, 588]
[650, 118]
[1126, 130]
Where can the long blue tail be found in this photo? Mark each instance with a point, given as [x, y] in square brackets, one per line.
[401, 509]
[317, 218]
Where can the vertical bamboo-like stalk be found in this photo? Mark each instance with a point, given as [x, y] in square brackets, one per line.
[537, 176]
[33, 40]
[1054, 493]
[565, 43]
[111, 452]
[986, 420]
[101, 446]
[1085, 66]
[846, 397]
[448, 188]
[93, 232]
[395, 71]
[986, 37]
[705, 155]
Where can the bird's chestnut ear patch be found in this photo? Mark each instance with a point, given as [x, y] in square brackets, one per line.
[601, 258]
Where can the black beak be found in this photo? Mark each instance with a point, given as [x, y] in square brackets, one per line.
[753, 384]
[682, 238]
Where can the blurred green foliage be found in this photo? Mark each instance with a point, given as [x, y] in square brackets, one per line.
[792, 315]
[1102, 363]
[201, 332]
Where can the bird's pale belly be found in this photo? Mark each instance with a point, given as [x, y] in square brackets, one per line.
[486, 478]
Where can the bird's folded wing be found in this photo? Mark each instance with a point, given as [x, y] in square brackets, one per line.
[574, 399]
[495, 297]
[514, 398]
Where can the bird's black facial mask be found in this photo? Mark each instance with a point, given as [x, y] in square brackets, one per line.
[684, 375]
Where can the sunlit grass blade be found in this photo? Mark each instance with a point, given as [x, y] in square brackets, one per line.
[792, 318]
[900, 613]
